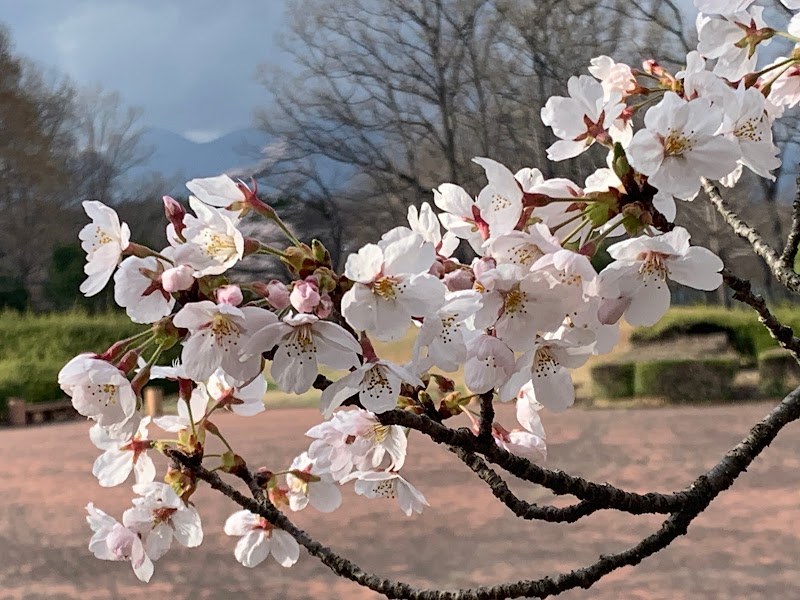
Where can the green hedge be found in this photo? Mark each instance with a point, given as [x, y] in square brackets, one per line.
[33, 348]
[687, 381]
[778, 372]
[745, 333]
[613, 380]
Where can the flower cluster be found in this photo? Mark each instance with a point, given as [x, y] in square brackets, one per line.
[511, 322]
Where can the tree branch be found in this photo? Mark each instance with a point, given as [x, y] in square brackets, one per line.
[785, 276]
[793, 240]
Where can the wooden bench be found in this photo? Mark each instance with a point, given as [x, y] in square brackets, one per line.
[20, 413]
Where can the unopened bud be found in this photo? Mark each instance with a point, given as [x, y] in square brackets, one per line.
[229, 294]
[177, 278]
[305, 295]
[175, 214]
[460, 279]
[277, 294]
[325, 307]
[114, 351]
[128, 361]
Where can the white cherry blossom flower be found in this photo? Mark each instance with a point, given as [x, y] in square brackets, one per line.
[523, 248]
[259, 539]
[727, 38]
[159, 516]
[303, 341]
[114, 541]
[376, 383]
[616, 78]
[496, 211]
[442, 334]
[122, 455]
[746, 122]
[584, 117]
[98, 390]
[138, 289]
[680, 145]
[489, 364]
[217, 336]
[244, 400]
[220, 191]
[216, 242]
[356, 439]
[534, 304]
[546, 368]
[642, 266]
[785, 90]
[388, 484]
[425, 222]
[391, 284]
[104, 240]
[308, 484]
[188, 413]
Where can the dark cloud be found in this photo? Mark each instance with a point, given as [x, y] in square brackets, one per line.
[189, 64]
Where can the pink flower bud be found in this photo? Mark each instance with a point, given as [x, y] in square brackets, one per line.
[305, 296]
[175, 213]
[229, 294]
[177, 279]
[120, 542]
[482, 265]
[325, 307]
[277, 294]
[437, 269]
[460, 279]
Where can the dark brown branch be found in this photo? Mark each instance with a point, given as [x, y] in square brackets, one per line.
[793, 240]
[601, 495]
[487, 417]
[705, 489]
[743, 293]
[524, 510]
[785, 275]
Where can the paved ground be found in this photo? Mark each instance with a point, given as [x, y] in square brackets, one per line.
[745, 546]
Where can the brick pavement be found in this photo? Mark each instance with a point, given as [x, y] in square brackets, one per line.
[745, 546]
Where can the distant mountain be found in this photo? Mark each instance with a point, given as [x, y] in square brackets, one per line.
[180, 159]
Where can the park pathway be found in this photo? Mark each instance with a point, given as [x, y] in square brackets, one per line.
[746, 546]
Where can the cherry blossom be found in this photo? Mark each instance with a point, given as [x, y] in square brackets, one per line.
[308, 484]
[490, 362]
[138, 289]
[302, 342]
[642, 266]
[122, 456]
[217, 337]
[220, 191]
[376, 383]
[356, 439]
[584, 117]
[425, 222]
[259, 539]
[104, 240]
[98, 390]
[244, 400]
[679, 145]
[616, 78]
[388, 484]
[732, 39]
[114, 541]
[215, 241]
[391, 284]
[442, 334]
[159, 516]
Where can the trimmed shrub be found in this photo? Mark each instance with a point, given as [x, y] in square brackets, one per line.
[34, 348]
[778, 372]
[744, 332]
[687, 381]
[613, 380]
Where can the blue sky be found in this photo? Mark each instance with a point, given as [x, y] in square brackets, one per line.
[190, 64]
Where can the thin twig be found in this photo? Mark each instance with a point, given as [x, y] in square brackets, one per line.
[793, 239]
[785, 276]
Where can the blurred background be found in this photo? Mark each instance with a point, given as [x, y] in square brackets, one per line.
[346, 112]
